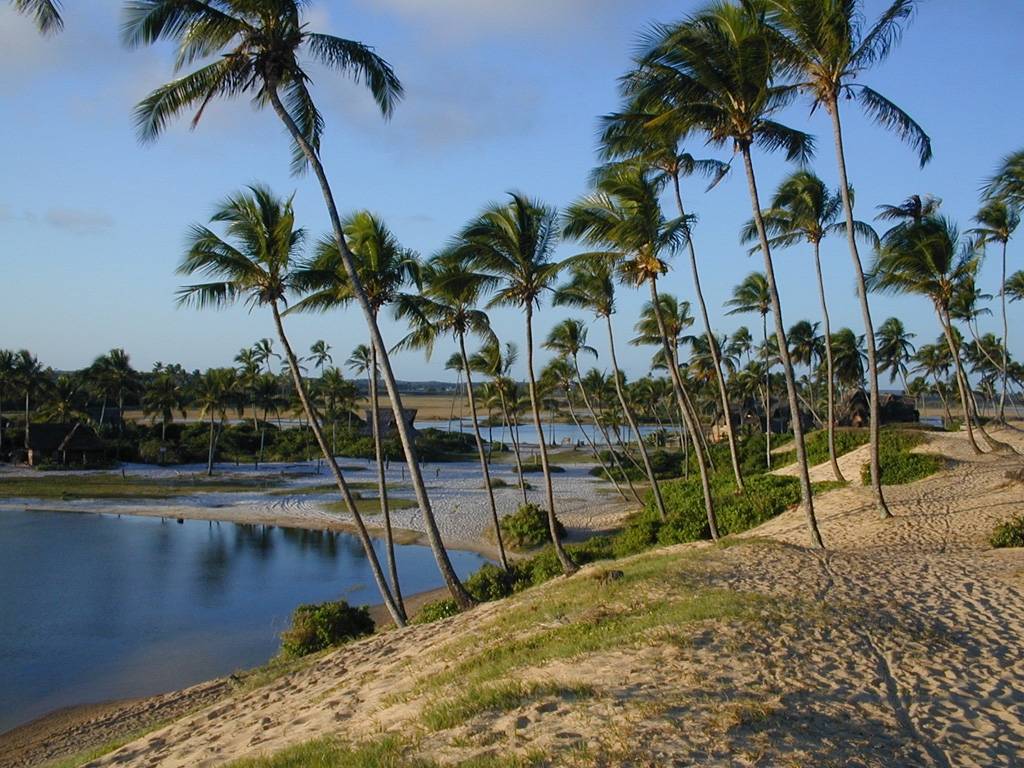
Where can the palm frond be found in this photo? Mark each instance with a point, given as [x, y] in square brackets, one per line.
[889, 116]
[362, 64]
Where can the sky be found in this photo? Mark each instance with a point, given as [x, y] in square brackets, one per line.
[499, 96]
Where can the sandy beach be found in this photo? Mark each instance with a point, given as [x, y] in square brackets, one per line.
[902, 648]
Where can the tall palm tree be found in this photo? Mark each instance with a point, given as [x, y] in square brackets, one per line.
[930, 259]
[808, 348]
[935, 360]
[447, 305]
[631, 139]
[718, 73]
[45, 14]
[624, 219]
[830, 44]
[8, 376]
[894, 349]
[263, 40]
[803, 209]
[997, 221]
[256, 264]
[113, 375]
[384, 267]
[514, 243]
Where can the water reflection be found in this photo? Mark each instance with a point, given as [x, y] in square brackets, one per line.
[92, 603]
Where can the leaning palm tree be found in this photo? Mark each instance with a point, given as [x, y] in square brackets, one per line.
[624, 219]
[45, 13]
[568, 340]
[803, 209]
[829, 44]
[384, 267]
[447, 305]
[997, 221]
[929, 258]
[255, 264]
[491, 361]
[631, 140]
[513, 243]
[718, 73]
[260, 42]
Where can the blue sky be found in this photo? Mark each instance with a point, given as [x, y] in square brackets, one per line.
[499, 96]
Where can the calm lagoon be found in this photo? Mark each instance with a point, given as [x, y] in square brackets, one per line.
[96, 607]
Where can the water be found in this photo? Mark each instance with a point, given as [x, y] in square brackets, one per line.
[567, 434]
[99, 607]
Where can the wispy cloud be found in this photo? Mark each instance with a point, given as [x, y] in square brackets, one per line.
[81, 223]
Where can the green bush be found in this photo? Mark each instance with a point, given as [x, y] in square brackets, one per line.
[527, 528]
[537, 467]
[1010, 534]
[316, 627]
[439, 609]
[899, 466]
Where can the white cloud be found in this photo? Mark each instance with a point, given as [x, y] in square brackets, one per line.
[81, 223]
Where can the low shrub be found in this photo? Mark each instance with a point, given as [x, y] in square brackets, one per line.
[527, 528]
[1009, 534]
[537, 468]
[319, 626]
[898, 465]
[439, 609]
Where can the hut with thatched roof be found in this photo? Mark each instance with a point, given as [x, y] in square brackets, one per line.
[64, 442]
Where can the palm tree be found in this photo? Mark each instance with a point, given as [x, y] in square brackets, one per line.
[804, 209]
[894, 349]
[753, 296]
[162, 398]
[114, 375]
[249, 364]
[849, 358]
[928, 258]
[513, 243]
[8, 376]
[911, 210]
[624, 219]
[45, 13]
[214, 393]
[828, 42]
[491, 361]
[997, 221]
[935, 360]
[718, 73]
[383, 267]
[447, 305]
[31, 378]
[632, 139]
[65, 399]
[808, 348]
[263, 39]
[568, 340]
[259, 270]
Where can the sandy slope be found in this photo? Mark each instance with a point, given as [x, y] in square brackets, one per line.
[901, 647]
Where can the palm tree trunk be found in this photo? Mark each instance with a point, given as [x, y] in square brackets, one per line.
[677, 384]
[209, 456]
[712, 343]
[832, 105]
[568, 566]
[515, 442]
[397, 614]
[462, 598]
[830, 368]
[787, 363]
[483, 455]
[961, 379]
[1001, 415]
[382, 482]
[593, 448]
[767, 395]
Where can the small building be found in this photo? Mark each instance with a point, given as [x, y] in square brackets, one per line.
[749, 415]
[388, 426]
[855, 410]
[67, 443]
